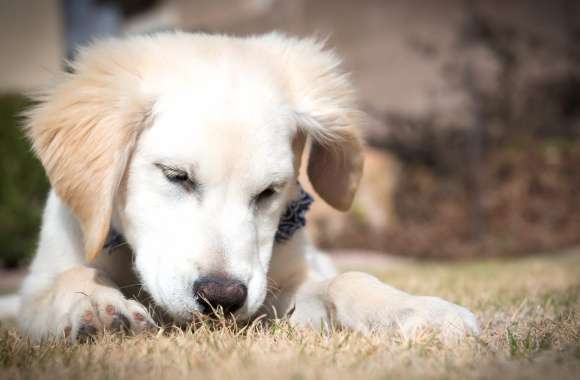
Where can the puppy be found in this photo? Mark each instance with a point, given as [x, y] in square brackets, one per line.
[173, 160]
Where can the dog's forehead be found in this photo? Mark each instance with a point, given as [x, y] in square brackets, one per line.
[223, 129]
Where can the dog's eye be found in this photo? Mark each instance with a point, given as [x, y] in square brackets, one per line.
[265, 194]
[177, 176]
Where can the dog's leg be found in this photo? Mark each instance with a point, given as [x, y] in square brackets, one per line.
[361, 302]
[63, 296]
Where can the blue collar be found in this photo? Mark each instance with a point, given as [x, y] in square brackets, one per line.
[293, 218]
[291, 221]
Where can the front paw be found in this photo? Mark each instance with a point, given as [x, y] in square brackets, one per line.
[104, 310]
[80, 305]
[363, 303]
[450, 320]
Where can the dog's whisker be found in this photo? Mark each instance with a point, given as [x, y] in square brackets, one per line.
[140, 285]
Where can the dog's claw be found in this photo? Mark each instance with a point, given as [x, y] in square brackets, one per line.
[86, 333]
[120, 323]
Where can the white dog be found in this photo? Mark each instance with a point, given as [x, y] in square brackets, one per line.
[173, 160]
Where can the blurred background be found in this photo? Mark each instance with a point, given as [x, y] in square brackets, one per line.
[474, 113]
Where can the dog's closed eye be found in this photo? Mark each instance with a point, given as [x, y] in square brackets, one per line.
[265, 194]
[268, 193]
[178, 176]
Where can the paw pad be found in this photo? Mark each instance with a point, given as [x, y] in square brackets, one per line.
[88, 316]
[110, 309]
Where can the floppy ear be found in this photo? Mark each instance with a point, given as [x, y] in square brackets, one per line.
[335, 167]
[83, 130]
[324, 106]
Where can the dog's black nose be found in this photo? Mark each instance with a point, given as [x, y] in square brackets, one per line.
[216, 291]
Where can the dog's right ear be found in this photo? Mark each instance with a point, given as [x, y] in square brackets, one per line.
[83, 130]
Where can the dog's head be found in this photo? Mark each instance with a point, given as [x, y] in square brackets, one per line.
[191, 145]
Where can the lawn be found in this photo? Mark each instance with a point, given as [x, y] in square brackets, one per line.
[529, 311]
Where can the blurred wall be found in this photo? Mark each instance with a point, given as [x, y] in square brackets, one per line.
[395, 48]
[31, 43]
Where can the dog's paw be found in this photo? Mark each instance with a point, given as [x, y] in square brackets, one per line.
[79, 305]
[105, 310]
[431, 313]
[363, 303]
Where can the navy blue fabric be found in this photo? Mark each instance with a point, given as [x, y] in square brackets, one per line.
[294, 216]
[293, 219]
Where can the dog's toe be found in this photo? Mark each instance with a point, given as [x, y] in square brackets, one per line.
[141, 320]
[120, 323]
[122, 315]
[86, 333]
[451, 320]
[106, 311]
[83, 321]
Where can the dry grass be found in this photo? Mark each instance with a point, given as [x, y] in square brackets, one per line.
[529, 310]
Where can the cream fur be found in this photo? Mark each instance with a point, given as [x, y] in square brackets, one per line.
[235, 113]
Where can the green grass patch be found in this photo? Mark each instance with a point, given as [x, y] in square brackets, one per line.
[23, 186]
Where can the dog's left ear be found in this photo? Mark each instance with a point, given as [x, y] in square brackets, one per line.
[83, 130]
[325, 109]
